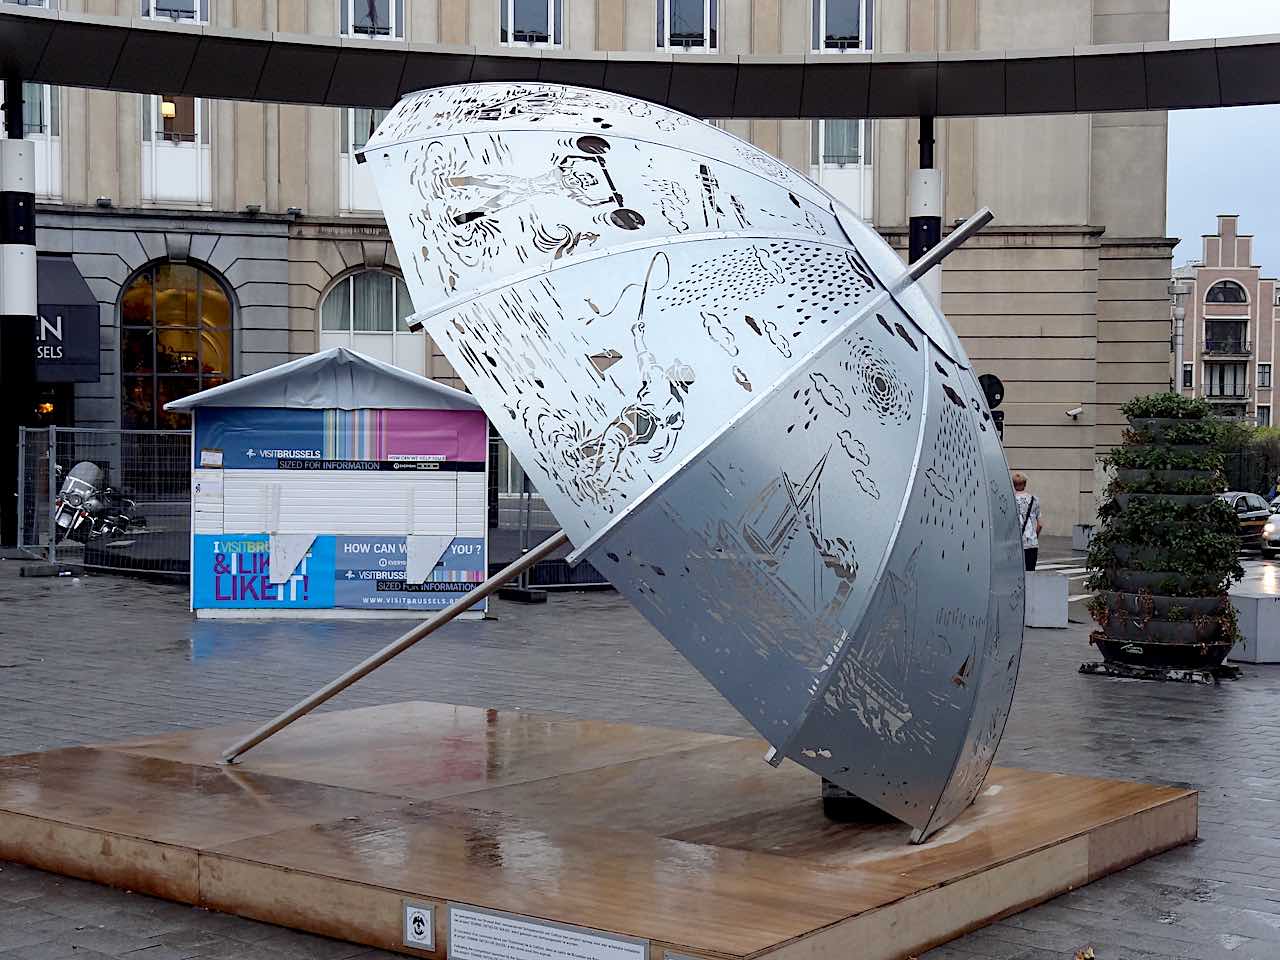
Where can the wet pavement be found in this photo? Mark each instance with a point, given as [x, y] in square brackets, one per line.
[100, 658]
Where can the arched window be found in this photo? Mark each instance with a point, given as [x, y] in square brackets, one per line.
[175, 340]
[366, 312]
[1226, 291]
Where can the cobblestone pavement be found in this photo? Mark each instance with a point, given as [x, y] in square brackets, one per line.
[100, 658]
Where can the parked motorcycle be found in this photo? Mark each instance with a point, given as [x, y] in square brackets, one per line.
[88, 508]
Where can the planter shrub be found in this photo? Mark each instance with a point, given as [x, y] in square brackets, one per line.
[1166, 550]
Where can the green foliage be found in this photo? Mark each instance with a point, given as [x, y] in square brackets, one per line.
[1159, 456]
[1211, 481]
[1175, 432]
[1233, 435]
[1178, 446]
[1167, 406]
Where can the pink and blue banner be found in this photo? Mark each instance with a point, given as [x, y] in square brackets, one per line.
[288, 439]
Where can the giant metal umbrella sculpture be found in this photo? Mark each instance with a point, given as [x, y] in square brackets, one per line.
[739, 410]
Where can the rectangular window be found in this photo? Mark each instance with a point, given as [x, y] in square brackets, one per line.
[195, 11]
[534, 23]
[1264, 415]
[1187, 375]
[378, 19]
[177, 120]
[39, 110]
[1226, 379]
[173, 119]
[1264, 375]
[836, 142]
[841, 25]
[688, 26]
[1226, 336]
[358, 125]
[176, 162]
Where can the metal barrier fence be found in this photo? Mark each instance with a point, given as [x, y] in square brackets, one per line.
[151, 471]
[141, 482]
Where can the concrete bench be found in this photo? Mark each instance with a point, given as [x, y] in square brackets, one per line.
[1046, 599]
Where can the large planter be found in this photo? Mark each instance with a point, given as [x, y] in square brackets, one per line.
[1174, 656]
[1156, 605]
[1138, 580]
[1207, 630]
[1154, 619]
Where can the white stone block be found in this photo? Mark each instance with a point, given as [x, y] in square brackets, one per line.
[1046, 599]
[1258, 611]
[1081, 534]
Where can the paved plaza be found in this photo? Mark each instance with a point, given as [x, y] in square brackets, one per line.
[101, 658]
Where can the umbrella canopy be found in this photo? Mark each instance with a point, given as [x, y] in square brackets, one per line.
[717, 378]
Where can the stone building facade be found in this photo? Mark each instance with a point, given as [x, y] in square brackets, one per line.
[1064, 296]
[1227, 348]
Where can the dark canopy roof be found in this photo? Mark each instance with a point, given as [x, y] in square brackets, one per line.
[117, 53]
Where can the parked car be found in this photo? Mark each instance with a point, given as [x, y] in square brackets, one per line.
[1270, 542]
[1254, 514]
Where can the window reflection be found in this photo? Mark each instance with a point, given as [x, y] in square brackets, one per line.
[378, 19]
[175, 340]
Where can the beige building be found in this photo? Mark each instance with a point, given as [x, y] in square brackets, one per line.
[1225, 350]
[221, 238]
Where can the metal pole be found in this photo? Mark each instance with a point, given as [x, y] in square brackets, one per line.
[368, 665]
[524, 528]
[22, 486]
[53, 491]
[1179, 319]
[17, 280]
[926, 209]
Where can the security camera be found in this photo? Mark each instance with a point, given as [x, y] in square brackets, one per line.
[1074, 413]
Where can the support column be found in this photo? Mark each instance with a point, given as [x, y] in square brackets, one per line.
[926, 210]
[17, 296]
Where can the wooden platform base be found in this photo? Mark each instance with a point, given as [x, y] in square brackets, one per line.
[379, 825]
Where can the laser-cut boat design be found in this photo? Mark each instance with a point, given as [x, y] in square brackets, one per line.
[740, 412]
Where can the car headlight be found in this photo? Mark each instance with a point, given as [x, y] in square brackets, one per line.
[1270, 529]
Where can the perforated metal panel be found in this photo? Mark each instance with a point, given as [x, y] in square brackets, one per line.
[713, 374]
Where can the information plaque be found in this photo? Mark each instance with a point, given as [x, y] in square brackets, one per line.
[488, 935]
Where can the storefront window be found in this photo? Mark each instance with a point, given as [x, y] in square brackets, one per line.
[175, 340]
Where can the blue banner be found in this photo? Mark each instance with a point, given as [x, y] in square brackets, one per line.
[371, 574]
[257, 438]
[233, 570]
